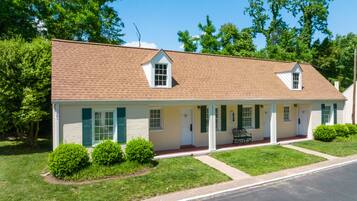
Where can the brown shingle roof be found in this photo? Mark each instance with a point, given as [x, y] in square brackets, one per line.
[88, 71]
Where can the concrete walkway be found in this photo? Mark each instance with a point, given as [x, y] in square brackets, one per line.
[216, 189]
[311, 152]
[233, 173]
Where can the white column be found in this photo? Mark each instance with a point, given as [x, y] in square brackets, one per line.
[273, 135]
[55, 125]
[211, 127]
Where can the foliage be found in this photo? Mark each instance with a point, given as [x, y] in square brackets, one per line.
[25, 69]
[352, 129]
[140, 150]
[21, 180]
[67, 159]
[208, 39]
[341, 130]
[262, 160]
[92, 20]
[324, 133]
[107, 153]
[189, 42]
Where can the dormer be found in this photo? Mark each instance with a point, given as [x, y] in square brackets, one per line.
[158, 69]
[292, 78]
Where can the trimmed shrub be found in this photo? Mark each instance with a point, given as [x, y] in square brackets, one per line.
[325, 133]
[140, 150]
[67, 159]
[341, 130]
[352, 129]
[107, 153]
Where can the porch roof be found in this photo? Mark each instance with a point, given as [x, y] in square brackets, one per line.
[99, 72]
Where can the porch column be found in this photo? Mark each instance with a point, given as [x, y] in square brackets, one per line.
[211, 127]
[55, 126]
[273, 135]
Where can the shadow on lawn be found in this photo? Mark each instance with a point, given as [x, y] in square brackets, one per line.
[15, 147]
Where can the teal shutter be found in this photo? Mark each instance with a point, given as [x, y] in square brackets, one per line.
[203, 119]
[87, 127]
[240, 116]
[335, 113]
[257, 116]
[121, 124]
[223, 117]
[322, 116]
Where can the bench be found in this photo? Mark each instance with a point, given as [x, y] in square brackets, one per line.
[241, 136]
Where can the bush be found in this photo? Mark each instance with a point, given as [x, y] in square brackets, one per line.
[107, 153]
[352, 129]
[325, 133]
[341, 130]
[67, 159]
[139, 150]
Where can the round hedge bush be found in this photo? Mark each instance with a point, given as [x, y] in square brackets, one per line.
[325, 133]
[107, 153]
[67, 159]
[140, 150]
[341, 130]
[352, 129]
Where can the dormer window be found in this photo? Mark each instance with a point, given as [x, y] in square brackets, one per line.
[296, 79]
[160, 75]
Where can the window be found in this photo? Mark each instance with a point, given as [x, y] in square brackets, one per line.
[218, 118]
[160, 74]
[296, 77]
[103, 126]
[326, 114]
[155, 119]
[247, 117]
[286, 113]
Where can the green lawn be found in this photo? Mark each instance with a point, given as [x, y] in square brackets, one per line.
[338, 147]
[262, 160]
[20, 179]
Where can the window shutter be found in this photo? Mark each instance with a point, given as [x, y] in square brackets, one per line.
[335, 113]
[240, 116]
[87, 127]
[203, 119]
[322, 110]
[257, 116]
[121, 125]
[223, 117]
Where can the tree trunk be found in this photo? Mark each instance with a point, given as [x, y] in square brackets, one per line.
[36, 133]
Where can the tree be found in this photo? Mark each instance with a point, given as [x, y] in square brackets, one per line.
[87, 20]
[189, 42]
[208, 39]
[25, 68]
[234, 42]
[313, 17]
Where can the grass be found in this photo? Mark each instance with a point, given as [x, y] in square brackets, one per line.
[95, 171]
[20, 169]
[339, 147]
[262, 160]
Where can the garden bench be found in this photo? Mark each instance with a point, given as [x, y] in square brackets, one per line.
[241, 136]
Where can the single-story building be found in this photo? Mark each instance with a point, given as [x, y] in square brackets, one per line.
[347, 111]
[177, 99]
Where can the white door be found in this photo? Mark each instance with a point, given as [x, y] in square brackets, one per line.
[267, 123]
[303, 120]
[186, 127]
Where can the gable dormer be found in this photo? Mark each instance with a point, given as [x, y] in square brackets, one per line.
[292, 78]
[158, 69]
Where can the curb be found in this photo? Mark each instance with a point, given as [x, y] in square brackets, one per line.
[214, 194]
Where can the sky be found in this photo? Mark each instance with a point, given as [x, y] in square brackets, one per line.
[160, 20]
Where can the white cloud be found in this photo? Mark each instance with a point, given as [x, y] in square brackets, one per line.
[143, 44]
[182, 47]
[196, 36]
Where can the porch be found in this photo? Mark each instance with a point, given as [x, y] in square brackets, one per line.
[206, 128]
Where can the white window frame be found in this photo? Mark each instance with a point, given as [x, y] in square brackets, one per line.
[252, 116]
[94, 110]
[289, 113]
[299, 81]
[161, 119]
[331, 116]
[167, 75]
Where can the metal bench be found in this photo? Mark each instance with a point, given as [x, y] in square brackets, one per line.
[241, 136]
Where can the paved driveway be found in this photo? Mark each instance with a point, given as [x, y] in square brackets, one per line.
[339, 184]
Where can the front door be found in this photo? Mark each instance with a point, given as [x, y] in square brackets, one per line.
[303, 120]
[186, 127]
